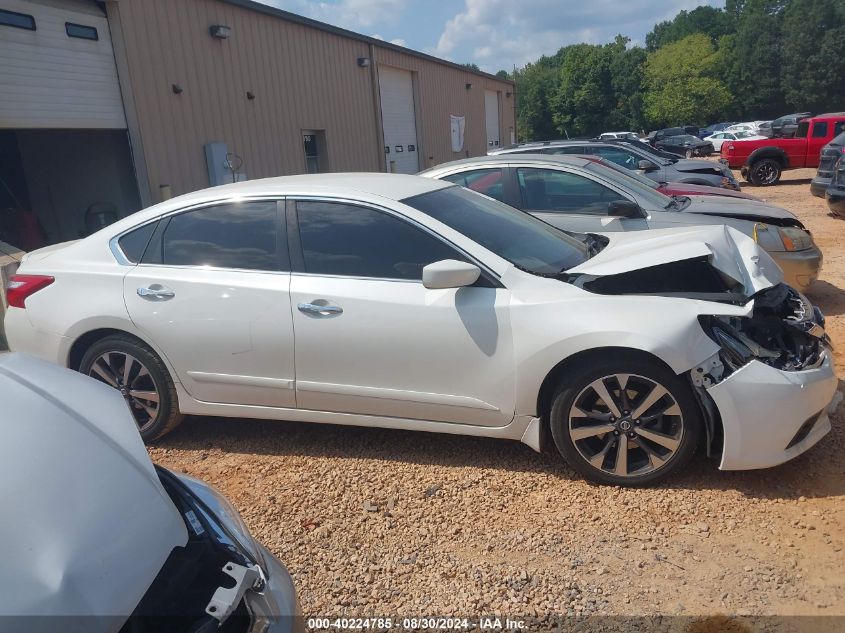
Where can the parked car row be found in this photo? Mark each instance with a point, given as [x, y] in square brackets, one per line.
[762, 161]
[829, 182]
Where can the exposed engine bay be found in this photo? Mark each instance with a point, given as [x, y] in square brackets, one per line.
[784, 331]
[186, 595]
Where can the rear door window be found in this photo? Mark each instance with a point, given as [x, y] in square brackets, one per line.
[240, 235]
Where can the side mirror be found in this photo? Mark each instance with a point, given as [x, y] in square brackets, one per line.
[624, 209]
[450, 273]
[646, 165]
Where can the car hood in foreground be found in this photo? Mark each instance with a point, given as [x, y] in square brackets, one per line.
[733, 255]
[753, 210]
[87, 524]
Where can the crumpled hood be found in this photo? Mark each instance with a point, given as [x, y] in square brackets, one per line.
[697, 164]
[687, 189]
[737, 208]
[732, 253]
[87, 524]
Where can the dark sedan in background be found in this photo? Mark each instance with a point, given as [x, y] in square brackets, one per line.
[685, 145]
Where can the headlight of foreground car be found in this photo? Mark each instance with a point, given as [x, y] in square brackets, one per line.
[795, 239]
[235, 533]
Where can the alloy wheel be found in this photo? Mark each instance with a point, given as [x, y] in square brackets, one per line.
[128, 375]
[626, 425]
[767, 174]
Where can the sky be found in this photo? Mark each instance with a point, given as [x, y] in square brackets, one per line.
[495, 34]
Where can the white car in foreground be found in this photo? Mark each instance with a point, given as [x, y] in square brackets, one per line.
[98, 540]
[406, 302]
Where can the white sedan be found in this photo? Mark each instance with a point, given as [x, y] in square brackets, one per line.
[741, 135]
[405, 302]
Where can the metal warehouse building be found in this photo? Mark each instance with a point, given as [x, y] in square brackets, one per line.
[109, 106]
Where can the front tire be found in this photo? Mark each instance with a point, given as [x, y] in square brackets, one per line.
[130, 366]
[689, 153]
[627, 422]
[765, 172]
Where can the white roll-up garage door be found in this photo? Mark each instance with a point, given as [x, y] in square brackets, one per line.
[396, 89]
[57, 67]
[491, 118]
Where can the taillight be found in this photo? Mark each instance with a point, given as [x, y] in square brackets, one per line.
[22, 286]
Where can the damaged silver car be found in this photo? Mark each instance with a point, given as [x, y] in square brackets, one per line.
[98, 540]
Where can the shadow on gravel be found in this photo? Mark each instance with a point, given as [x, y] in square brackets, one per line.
[829, 298]
[817, 473]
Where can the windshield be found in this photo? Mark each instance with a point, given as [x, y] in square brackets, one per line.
[743, 134]
[624, 177]
[649, 150]
[648, 182]
[523, 240]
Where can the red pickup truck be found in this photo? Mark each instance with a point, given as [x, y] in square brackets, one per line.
[762, 161]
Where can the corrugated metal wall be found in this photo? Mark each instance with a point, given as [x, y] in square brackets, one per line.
[303, 78]
[441, 92]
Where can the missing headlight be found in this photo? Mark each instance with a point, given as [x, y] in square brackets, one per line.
[785, 331]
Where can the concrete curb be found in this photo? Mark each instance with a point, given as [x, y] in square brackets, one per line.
[10, 259]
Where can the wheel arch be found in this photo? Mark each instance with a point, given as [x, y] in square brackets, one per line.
[556, 374]
[90, 335]
[775, 153]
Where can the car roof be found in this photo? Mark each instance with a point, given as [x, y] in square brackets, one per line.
[391, 186]
[570, 159]
[353, 185]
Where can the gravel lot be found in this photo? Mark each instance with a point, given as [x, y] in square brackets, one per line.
[374, 522]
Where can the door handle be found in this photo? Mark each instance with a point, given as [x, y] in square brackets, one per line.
[319, 310]
[156, 292]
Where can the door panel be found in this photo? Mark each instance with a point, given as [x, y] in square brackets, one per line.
[228, 334]
[401, 350]
[371, 339]
[213, 293]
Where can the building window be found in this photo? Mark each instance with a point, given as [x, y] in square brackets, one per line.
[81, 31]
[17, 20]
[314, 142]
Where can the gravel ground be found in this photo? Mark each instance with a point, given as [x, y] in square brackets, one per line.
[391, 523]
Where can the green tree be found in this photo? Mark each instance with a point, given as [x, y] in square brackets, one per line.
[713, 22]
[813, 64]
[503, 74]
[583, 100]
[471, 66]
[626, 79]
[535, 85]
[681, 83]
[750, 60]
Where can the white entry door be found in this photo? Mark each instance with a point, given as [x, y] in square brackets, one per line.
[491, 119]
[399, 125]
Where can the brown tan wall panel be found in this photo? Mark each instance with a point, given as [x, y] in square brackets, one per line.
[302, 78]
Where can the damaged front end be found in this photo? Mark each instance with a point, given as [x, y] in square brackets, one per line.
[784, 330]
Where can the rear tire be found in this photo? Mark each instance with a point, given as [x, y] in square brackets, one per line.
[765, 172]
[658, 436]
[129, 365]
